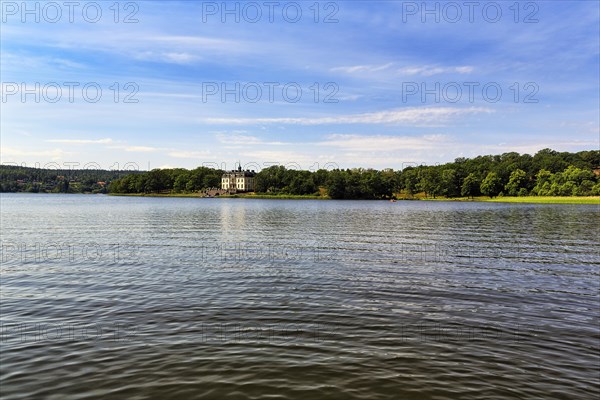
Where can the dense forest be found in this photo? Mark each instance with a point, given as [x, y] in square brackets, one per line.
[37, 180]
[177, 180]
[547, 173]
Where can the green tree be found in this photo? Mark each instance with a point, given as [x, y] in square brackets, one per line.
[302, 183]
[515, 182]
[576, 175]
[584, 189]
[543, 182]
[449, 183]
[180, 183]
[336, 184]
[410, 180]
[491, 185]
[470, 186]
[430, 182]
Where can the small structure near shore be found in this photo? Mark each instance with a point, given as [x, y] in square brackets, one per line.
[213, 192]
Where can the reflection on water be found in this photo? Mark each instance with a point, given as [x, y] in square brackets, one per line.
[135, 298]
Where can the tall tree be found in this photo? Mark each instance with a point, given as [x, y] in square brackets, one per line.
[470, 186]
[491, 185]
[516, 182]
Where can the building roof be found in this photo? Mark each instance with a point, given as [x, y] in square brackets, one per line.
[239, 172]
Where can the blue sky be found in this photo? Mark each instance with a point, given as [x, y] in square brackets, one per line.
[389, 70]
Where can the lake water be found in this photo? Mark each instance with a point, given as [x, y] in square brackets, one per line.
[167, 298]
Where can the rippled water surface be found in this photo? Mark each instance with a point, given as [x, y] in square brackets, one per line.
[164, 298]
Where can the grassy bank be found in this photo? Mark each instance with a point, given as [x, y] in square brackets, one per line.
[528, 199]
[505, 199]
[277, 196]
[548, 199]
[233, 196]
[196, 195]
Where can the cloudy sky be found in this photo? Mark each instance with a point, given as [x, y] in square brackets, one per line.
[379, 84]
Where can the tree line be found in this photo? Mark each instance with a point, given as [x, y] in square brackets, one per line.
[547, 173]
[176, 180]
[39, 180]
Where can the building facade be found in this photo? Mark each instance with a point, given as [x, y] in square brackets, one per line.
[238, 180]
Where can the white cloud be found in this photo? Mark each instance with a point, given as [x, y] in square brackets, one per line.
[243, 140]
[361, 68]
[168, 57]
[81, 141]
[428, 70]
[292, 159]
[54, 154]
[19, 61]
[407, 116]
[530, 147]
[189, 154]
[423, 70]
[381, 143]
[136, 149]
[182, 49]
[62, 62]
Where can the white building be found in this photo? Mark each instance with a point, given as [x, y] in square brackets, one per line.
[238, 181]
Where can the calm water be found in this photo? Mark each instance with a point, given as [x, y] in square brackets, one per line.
[138, 298]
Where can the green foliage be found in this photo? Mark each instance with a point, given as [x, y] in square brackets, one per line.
[176, 180]
[491, 185]
[516, 182]
[430, 182]
[409, 180]
[36, 180]
[450, 183]
[543, 183]
[572, 181]
[360, 184]
[470, 186]
[547, 173]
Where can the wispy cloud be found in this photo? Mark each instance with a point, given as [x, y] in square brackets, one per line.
[194, 41]
[529, 147]
[199, 155]
[167, 57]
[361, 68]
[382, 143]
[137, 149]
[429, 70]
[17, 60]
[244, 140]
[421, 70]
[408, 116]
[169, 54]
[184, 49]
[111, 144]
[81, 141]
[53, 154]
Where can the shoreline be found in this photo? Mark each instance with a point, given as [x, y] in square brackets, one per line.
[482, 199]
[234, 196]
[526, 199]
